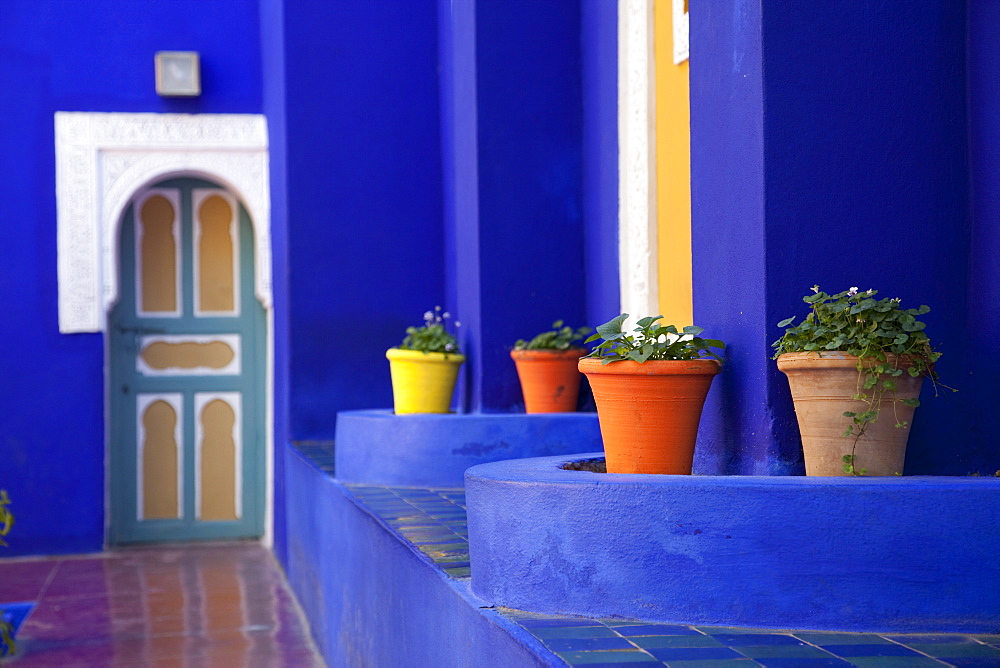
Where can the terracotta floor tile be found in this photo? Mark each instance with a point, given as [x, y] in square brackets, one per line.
[211, 605]
[24, 580]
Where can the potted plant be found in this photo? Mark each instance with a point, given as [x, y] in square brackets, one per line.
[424, 366]
[547, 368]
[855, 366]
[650, 388]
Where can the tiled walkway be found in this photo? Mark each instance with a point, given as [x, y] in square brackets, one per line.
[434, 522]
[221, 604]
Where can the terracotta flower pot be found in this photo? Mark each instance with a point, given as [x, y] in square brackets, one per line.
[422, 382]
[823, 386]
[649, 412]
[550, 379]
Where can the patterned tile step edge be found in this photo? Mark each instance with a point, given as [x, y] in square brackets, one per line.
[616, 642]
[432, 520]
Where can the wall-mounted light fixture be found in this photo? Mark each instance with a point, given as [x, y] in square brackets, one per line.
[177, 74]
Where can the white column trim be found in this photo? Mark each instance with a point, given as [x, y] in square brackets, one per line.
[637, 225]
[681, 23]
[103, 159]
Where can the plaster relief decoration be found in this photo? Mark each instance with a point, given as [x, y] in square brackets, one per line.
[636, 158]
[103, 159]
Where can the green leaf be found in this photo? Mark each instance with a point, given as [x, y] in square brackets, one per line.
[786, 322]
[612, 329]
[647, 321]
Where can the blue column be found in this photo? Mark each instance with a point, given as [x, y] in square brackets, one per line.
[828, 147]
[512, 142]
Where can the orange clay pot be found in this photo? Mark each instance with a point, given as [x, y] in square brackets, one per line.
[823, 386]
[550, 380]
[649, 412]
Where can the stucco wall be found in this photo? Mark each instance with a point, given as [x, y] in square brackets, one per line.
[829, 146]
[79, 56]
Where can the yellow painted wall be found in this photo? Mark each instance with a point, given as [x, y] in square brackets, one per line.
[673, 173]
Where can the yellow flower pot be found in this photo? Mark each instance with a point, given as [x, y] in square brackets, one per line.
[422, 382]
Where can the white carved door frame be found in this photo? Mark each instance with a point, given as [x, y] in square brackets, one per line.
[102, 160]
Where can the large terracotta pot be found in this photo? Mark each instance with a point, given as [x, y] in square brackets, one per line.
[649, 412]
[550, 379]
[422, 382]
[823, 386]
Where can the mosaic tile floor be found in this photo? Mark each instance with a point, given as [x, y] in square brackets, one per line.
[220, 604]
[434, 521]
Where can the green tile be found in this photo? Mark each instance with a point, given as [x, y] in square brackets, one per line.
[582, 658]
[842, 638]
[463, 572]
[440, 548]
[730, 630]
[783, 651]
[895, 662]
[988, 639]
[957, 650]
[659, 642]
[714, 663]
[572, 632]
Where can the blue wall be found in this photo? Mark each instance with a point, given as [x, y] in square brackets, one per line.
[364, 197]
[982, 321]
[841, 160]
[272, 21]
[727, 234]
[79, 56]
[513, 149]
[599, 63]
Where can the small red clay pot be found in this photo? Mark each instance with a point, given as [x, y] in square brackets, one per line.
[550, 380]
[649, 412]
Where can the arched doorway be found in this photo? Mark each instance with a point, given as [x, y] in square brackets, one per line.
[187, 351]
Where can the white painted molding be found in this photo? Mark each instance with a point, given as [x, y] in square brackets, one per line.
[637, 159]
[681, 21]
[103, 159]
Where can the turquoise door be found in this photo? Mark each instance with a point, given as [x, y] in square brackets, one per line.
[187, 373]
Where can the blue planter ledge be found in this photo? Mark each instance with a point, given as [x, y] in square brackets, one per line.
[434, 450]
[894, 554]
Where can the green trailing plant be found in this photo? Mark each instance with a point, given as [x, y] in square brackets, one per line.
[887, 339]
[651, 341]
[561, 337]
[7, 646]
[433, 336]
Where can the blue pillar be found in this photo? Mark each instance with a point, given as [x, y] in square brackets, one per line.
[512, 142]
[828, 147]
[983, 321]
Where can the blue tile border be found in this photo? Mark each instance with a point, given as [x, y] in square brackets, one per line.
[682, 645]
[433, 522]
[430, 520]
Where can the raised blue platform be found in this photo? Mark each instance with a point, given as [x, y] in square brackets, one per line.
[846, 554]
[433, 450]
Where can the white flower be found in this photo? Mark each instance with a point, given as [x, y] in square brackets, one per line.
[446, 315]
[815, 288]
[428, 316]
[458, 324]
[853, 291]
